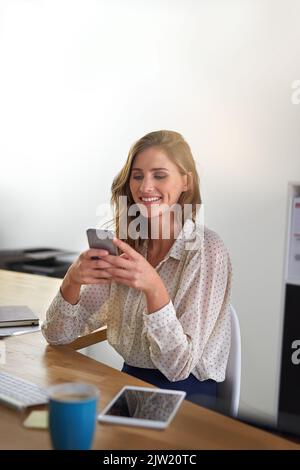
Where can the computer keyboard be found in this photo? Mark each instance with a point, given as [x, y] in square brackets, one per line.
[19, 393]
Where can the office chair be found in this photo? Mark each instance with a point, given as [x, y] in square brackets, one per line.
[229, 390]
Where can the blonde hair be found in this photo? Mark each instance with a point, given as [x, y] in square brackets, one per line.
[178, 151]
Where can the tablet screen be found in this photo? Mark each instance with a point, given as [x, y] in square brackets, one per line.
[145, 404]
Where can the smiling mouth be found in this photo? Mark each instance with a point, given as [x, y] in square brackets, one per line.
[150, 200]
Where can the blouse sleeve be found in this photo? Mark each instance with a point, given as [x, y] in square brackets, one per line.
[65, 322]
[193, 332]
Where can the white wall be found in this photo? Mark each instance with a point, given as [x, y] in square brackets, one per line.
[81, 80]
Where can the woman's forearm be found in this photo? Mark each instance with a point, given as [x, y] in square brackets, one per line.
[70, 290]
[157, 297]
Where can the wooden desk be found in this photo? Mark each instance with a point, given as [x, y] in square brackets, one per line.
[30, 357]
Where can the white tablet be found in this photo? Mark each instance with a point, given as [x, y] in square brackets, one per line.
[140, 406]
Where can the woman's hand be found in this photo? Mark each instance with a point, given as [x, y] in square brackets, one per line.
[132, 269]
[86, 270]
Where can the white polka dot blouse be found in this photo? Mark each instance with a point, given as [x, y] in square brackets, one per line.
[190, 335]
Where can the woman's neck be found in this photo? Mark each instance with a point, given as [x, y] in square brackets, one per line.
[161, 234]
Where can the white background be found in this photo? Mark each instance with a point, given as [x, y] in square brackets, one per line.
[81, 80]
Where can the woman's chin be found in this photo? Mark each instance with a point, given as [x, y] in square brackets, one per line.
[152, 211]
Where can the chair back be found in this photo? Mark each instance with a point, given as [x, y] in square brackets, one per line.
[229, 390]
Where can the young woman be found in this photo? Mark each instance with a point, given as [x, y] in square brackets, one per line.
[165, 302]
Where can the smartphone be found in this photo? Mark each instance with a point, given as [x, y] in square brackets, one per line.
[101, 239]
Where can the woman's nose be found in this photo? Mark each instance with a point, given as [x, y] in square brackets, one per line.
[146, 185]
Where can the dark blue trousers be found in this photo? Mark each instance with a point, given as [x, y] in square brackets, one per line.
[202, 393]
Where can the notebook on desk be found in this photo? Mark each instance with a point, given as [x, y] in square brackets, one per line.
[17, 315]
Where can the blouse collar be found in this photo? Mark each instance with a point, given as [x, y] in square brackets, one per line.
[188, 239]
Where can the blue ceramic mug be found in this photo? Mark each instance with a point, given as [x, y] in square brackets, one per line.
[72, 415]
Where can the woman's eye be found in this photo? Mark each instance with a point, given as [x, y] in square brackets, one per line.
[137, 177]
[140, 177]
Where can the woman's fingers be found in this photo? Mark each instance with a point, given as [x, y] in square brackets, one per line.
[100, 264]
[117, 272]
[84, 270]
[125, 248]
[118, 261]
[94, 253]
[96, 274]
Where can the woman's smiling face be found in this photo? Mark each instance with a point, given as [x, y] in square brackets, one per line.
[155, 180]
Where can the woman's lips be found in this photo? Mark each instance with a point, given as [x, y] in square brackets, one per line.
[150, 201]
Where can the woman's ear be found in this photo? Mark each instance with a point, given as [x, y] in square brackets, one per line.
[187, 181]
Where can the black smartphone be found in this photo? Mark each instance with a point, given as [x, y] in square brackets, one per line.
[101, 239]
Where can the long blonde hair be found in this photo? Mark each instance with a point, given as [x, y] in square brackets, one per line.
[179, 152]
